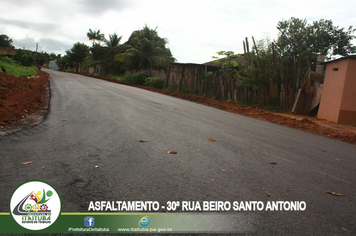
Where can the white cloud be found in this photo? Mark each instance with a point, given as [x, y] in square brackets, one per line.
[33, 26]
[196, 29]
[99, 7]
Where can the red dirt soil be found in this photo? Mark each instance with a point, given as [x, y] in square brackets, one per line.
[20, 97]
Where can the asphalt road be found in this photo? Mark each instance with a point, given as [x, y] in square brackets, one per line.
[89, 146]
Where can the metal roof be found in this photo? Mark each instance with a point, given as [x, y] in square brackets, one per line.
[351, 57]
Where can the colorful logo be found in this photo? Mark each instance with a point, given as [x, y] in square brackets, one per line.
[35, 205]
[144, 221]
[89, 221]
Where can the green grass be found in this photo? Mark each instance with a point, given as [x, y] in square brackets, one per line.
[17, 70]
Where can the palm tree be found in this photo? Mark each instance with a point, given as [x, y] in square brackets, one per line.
[147, 51]
[113, 41]
[95, 35]
[112, 49]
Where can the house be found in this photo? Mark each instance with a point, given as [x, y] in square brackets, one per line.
[338, 101]
[53, 65]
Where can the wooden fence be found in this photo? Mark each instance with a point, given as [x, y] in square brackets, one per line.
[202, 80]
[296, 88]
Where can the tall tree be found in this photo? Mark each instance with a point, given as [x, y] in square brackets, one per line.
[63, 62]
[292, 36]
[113, 48]
[105, 54]
[146, 50]
[5, 41]
[297, 37]
[78, 53]
[95, 35]
[330, 39]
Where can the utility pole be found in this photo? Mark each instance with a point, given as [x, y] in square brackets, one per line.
[38, 63]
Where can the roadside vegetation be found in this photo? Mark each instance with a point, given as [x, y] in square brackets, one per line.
[15, 68]
[140, 78]
[269, 62]
[268, 72]
[25, 62]
[144, 52]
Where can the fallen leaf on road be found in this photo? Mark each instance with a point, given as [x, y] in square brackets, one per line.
[142, 141]
[210, 139]
[345, 229]
[175, 108]
[289, 190]
[43, 167]
[26, 163]
[171, 152]
[273, 163]
[337, 159]
[64, 120]
[333, 193]
[96, 166]
[85, 116]
[268, 194]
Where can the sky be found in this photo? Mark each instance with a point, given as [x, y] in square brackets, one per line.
[196, 29]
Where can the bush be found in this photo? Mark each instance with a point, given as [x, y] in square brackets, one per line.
[24, 57]
[155, 82]
[90, 74]
[138, 78]
[6, 59]
[69, 70]
[15, 69]
[115, 77]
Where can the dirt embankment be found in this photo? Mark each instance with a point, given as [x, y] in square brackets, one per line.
[21, 97]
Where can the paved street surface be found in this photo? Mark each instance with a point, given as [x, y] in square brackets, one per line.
[88, 149]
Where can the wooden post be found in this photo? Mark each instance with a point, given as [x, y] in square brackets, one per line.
[258, 57]
[274, 53]
[221, 87]
[247, 46]
[283, 88]
[304, 80]
[296, 100]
